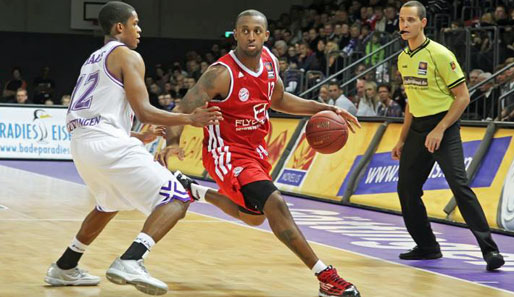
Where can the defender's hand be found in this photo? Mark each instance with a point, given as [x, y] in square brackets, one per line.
[168, 151]
[152, 133]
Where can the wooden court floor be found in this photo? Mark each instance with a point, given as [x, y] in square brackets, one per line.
[201, 257]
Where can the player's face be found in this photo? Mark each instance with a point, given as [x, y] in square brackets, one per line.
[251, 34]
[131, 31]
[411, 23]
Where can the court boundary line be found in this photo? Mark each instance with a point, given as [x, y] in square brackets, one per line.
[241, 224]
[364, 255]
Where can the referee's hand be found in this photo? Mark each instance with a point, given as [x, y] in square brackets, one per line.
[433, 140]
[397, 150]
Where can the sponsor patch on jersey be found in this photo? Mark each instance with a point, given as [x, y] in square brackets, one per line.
[269, 68]
[415, 81]
[422, 68]
[244, 94]
[453, 65]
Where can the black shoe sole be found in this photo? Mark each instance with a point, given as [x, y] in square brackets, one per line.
[431, 256]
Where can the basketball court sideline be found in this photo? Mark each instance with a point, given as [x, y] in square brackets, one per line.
[210, 254]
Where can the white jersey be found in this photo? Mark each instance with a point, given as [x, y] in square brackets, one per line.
[98, 105]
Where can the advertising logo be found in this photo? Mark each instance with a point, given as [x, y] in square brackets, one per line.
[381, 175]
[34, 133]
[301, 162]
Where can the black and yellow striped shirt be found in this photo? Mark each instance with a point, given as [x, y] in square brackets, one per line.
[428, 73]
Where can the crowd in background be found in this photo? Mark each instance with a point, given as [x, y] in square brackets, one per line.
[311, 44]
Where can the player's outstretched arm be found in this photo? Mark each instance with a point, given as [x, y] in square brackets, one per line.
[132, 72]
[288, 103]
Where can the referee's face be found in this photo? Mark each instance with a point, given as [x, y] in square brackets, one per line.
[410, 23]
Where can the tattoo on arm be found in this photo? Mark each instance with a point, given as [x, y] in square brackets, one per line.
[203, 91]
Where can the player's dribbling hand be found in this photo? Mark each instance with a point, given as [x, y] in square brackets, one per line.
[170, 150]
[350, 119]
[397, 151]
[204, 116]
[152, 133]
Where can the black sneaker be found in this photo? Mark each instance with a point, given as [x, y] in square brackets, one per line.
[494, 260]
[186, 182]
[421, 254]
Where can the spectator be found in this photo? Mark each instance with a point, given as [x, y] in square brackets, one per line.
[323, 95]
[387, 107]
[65, 100]
[373, 45]
[290, 77]
[307, 60]
[189, 82]
[153, 94]
[44, 86]
[355, 42]
[11, 87]
[340, 100]
[400, 97]
[344, 37]
[203, 66]
[49, 102]
[281, 47]
[369, 103]
[313, 38]
[391, 15]
[473, 77]
[334, 60]
[321, 54]
[486, 98]
[166, 102]
[378, 21]
[292, 55]
[21, 96]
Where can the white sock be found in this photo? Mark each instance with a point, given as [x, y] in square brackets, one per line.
[145, 240]
[318, 267]
[77, 246]
[199, 191]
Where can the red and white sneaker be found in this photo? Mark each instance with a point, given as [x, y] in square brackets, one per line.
[332, 285]
[186, 182]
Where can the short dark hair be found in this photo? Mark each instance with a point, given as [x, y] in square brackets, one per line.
[422, 11]
[252, 12]
[334, 83]
[112, 13]
[385, 85]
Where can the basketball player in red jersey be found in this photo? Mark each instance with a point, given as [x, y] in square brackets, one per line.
[245, 83]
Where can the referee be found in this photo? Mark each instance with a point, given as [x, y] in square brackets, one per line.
[437, 96]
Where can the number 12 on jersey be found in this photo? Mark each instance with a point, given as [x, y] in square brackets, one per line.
[85, 98]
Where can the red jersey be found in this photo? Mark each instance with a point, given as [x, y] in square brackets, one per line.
[241, 134]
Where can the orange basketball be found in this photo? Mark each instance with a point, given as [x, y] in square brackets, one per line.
[326, 132]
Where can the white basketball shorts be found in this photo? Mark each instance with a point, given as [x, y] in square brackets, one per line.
[122, 175]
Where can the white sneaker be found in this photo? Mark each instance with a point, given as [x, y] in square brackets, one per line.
[56, 276]
[134, 272]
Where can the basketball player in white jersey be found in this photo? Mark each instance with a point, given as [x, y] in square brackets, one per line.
[116, 168]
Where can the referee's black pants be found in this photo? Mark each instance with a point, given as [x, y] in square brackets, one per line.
[416, 163]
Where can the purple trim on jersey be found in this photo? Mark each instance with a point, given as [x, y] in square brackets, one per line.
[171, 188]
[174, 197]
[109, 74]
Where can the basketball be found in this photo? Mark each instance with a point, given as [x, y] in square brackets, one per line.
[326, 132]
